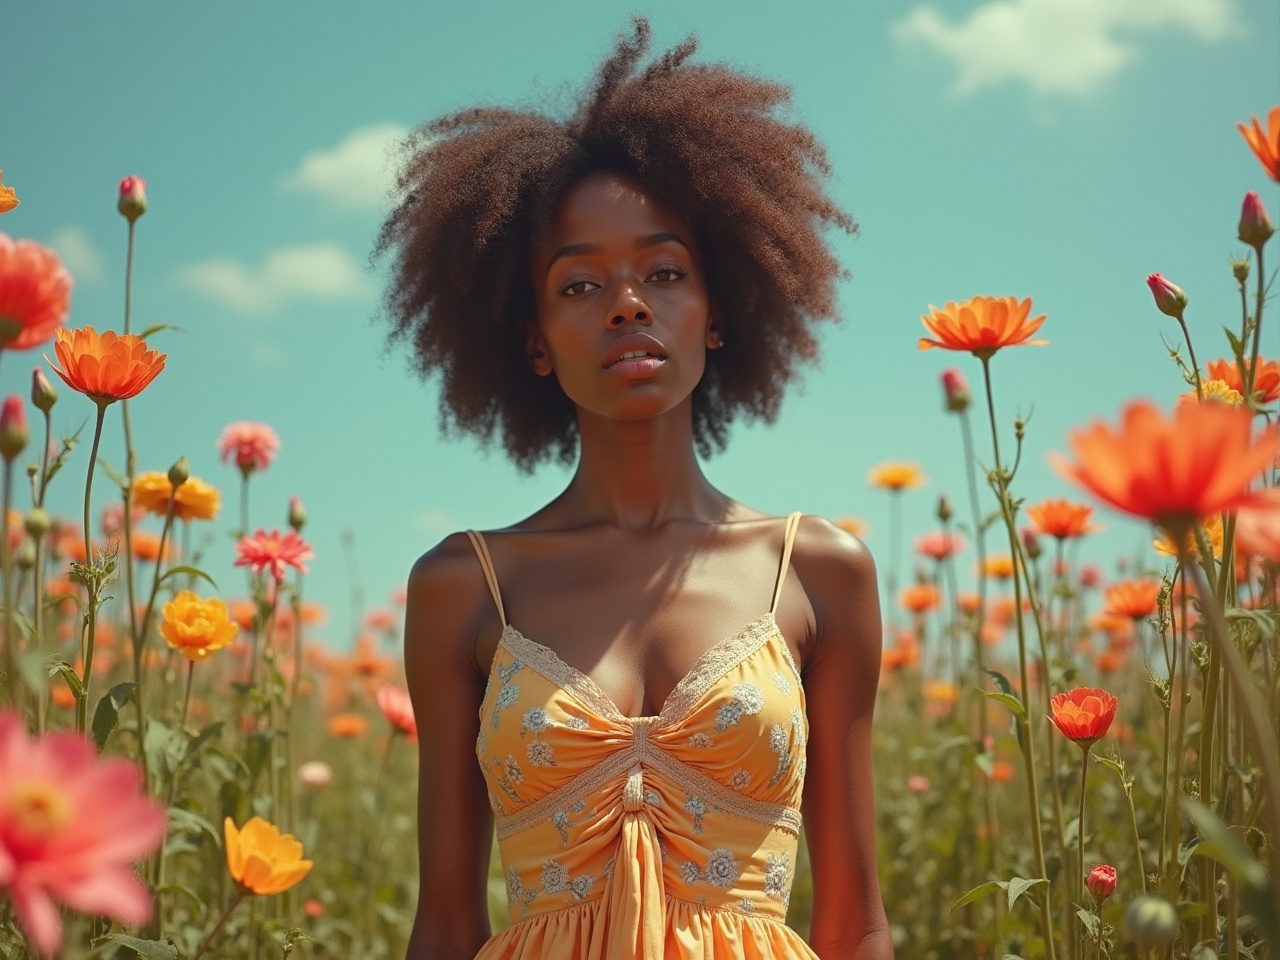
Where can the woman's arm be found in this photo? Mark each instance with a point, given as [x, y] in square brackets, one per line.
[841, 675]
[455, 825]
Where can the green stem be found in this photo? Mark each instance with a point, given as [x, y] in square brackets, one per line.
[82, 702]
[1084, 776]
[1137, 840]
[37, 611]
[6, 561]
[1028, 744]
[1180, 742]
[226, 914]
[1195, 369]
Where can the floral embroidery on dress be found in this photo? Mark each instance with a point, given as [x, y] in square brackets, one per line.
[508, 693]
[745, 905]
[782, 683]
[528, 899]
[514, 886]
[701, 741]
[511, 767]
[482, 742]
[722, 869]
[697, 806]
[651, 798]
[608, 867]
[562, 821]
[540, 754]
[748, 700]
[581, 886]
[555, 876]
[690, 872]
[740, 779]
[779, 744]
[577, 723]
[512, 774]
[535, 721]
[777, 877]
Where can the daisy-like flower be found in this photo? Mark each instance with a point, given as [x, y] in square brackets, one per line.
[1265, 143]
[896, 476]
[1062, 519]
[106, 367]
[939, 545]
[262, 859]
[35, 293]
[1132, 598]
[919, 598]
[196, 500]
[1213, 391]
[70, 826]
[1266, 382]
[273, 551]
[982, 325]
[1083, 715]
[252, 446]
[1165, 545]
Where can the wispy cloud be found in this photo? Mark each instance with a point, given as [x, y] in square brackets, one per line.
[1063, 47]
[354, 175]
[78, 254]
[322, 272]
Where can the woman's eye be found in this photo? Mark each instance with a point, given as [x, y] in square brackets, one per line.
[568, 289]
[675, 271]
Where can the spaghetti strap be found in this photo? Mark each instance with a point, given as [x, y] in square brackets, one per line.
[793, 522]
[490, 575]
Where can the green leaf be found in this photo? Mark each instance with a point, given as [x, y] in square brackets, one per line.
[69, 675]
[1090, 921]
[182, 820]
[1018, 886]
[107, 713]
[1009, 700]
[158, 327]
[188, 571]
[200, 908]
[1237, 348]
[203, 737]
[147, 949]
[980, 891]
[116, 477]
[1001, 681]
[1114, 766]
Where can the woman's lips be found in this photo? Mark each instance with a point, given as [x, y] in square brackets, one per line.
[636, 368]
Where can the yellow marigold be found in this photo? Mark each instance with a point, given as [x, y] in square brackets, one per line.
[196, 499]
[195, 627]
[262, 859]
[896, 476]
[1165, 546]
[999, 566]
[1215, 391]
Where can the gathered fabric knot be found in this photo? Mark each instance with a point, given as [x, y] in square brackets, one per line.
[633, 792]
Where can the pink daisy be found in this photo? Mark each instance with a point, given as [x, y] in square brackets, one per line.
[274, 550]
[251, 445]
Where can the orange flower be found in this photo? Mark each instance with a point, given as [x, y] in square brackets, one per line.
[1084, 714]
[1173, 472]
[848, 524]
[1266, 382]
[1258, 528]
[105, 368]
[348, 725]
[1002, 771]
[969, 602]
[312, 613]
[1265, 145]
[8, 196]
[366, 662]
[919, 598]
[195, 627]
[895, 476]
[244, 613]
[261, 859]
[982, 325]
[35, 293]
[941, 691]
[1062, 519]
[146, 546]
[999, 566]
[1132, 598]
[1109, 660]
[196, 500]
[62, 696]
[939, 544]
[1212, 391]
[1165, 545]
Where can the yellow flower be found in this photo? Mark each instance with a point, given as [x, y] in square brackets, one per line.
[852, 525]
[8, 197]
[895, 476]
[1165, 546]
[263, 860]
[196, 499]
[998, 566]
[195, 627]
[1216, 391]
[941, 691]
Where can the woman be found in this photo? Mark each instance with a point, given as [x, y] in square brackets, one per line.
[607, 681]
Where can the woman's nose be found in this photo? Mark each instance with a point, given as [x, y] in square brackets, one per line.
[629, 308]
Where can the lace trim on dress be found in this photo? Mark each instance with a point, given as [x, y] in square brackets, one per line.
[595, 903]
[548, 663]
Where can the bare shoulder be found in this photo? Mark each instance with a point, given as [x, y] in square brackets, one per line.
[839, 578]
[446, 594]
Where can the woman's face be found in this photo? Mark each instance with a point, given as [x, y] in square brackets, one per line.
[618, 274]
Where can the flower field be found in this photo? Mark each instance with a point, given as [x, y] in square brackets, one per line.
[1075, 758]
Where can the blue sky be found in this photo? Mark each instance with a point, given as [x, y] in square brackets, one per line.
[1053, 149]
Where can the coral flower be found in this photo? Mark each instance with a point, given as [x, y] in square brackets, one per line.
[1213, 391]
[1173, 472]
[1265, 144]
[195, 627]
[1266, 382]
[982, 325]
[895, 476]
[105, 368]
[8, 196]
[1132, 598]
[196, 500]
[35, 293]
[62, 696]
[347, 725]
[251, 445]
[1084, 714]
[999, 566]
[380, 619]
[939, 544]
[396, 706]
[365, 661]
[1002, 771]
[262, 859]
[1101, 881]
[1166, 546]
[919, 598]
[941, 691]
[1062, 519]
[146, 546]
[1258, 527]
[70, 826]
[273, 551]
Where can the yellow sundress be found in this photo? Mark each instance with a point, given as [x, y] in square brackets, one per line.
[642, 838]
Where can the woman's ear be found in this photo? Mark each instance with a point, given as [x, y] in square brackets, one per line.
[715, 328]
[535, 350]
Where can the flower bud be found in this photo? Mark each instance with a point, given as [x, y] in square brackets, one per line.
[1150, 921]
[133, 198]
[37, 523]
[297, 513]
[944, 509]
[315, 774]
[1031, 543]
[917, 783]
[1255, 225]
[179, 473]
[42, 393]
[1170, 300]
[955, 389]
[13, 427]
[25, 558]
[1101, 882]
[1240, 268]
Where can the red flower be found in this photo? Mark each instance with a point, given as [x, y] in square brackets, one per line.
[1084, 714]
[1101, 881]
[273, 550]
[1170, 299]
[939, 545]
[35, 293]
[396, 706]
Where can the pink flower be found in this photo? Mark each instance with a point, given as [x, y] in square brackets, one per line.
[396, 706]
[35, 293]
[939, 545]
[380, 620]
[399, 596]
[1101, 882]
[273, 550]
[252, 445]
[1170, 300]
[315, 774]
[917, 783]
[1090, 576]
[13, 426]
[1255, 225]
[70, 826]
[956, 390]
[133, 198]
[1258, 528]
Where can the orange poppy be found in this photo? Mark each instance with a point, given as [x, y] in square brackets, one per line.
[968, 602]
[196, 500]
[1132, 598]
[919, 598]
[347, 725]
[896, 476]
[106, 367]
[1109, 661]
[982, 325]
[62, 696]
[1173, 472]
[1084, 714]
[1266, 382]
[1265, 144]
[1062, 519]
